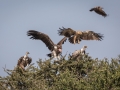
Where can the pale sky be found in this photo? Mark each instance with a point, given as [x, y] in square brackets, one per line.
[46, 16]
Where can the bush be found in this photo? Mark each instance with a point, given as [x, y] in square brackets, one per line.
[82, 73]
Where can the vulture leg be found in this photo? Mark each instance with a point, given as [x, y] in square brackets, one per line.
[74, 39]
[54, 54]
[78, 41]
[21, 66]
[58, 57]
[27, 65]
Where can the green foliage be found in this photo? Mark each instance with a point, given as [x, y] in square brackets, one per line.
[81, 73]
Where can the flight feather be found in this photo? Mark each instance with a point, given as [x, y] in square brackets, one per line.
[77, 36]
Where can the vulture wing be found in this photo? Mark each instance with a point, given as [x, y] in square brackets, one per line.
[101, 12]
[29, 60]
[92, 9]
[90, 35]
[20, 60]
[68, 32]
[62, 41]
[43, 37]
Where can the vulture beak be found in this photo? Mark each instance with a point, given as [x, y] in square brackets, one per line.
[60, 50]
[28, 53]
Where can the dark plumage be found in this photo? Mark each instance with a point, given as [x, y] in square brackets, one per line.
[54, 48]
[24, 61]
[77, 36]
[99, 11]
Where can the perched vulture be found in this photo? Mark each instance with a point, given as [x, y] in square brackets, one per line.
[56, 49]
[78, 53]
[99, 11]
[24, 61]
[76, 36]
[81, 51]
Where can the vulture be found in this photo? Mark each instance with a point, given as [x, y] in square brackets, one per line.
[99, 11]
[76, 36]
[56, 49]
[81, 51]
[24, 61]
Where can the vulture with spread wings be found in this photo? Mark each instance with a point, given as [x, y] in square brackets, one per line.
[99, 11]
[56, 49]
[76, 36]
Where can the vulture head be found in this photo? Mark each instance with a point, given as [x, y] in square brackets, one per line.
[84, 46]
[27, 53]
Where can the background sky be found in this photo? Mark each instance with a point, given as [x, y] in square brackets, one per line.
[46, 16]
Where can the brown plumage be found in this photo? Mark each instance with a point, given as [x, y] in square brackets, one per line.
[77, 36]
[24, 61]
[57, 48]
[99, 11]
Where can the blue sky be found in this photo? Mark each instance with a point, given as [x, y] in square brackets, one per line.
[46, 16]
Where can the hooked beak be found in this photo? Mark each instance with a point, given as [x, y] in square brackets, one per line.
[60, 50]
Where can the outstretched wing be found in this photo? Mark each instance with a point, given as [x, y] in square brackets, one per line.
[91, 35]
[92, 9]
[68, 32]
[43, 37]
[62, 41]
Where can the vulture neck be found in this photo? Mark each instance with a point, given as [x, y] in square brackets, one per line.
[25, 56]
[83, 49]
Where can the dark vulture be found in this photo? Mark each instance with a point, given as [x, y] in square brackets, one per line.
[76, 36]
[99, 11]
[56, 49]
[24, 61]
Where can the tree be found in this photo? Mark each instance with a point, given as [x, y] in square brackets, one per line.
[80, 73]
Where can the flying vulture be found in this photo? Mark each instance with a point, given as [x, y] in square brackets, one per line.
[99, 11]
[24, 61]
[56, 49]
[81, 51]
[76, 36]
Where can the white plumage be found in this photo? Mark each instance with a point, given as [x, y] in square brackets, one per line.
[81, 51]
[26, 56]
